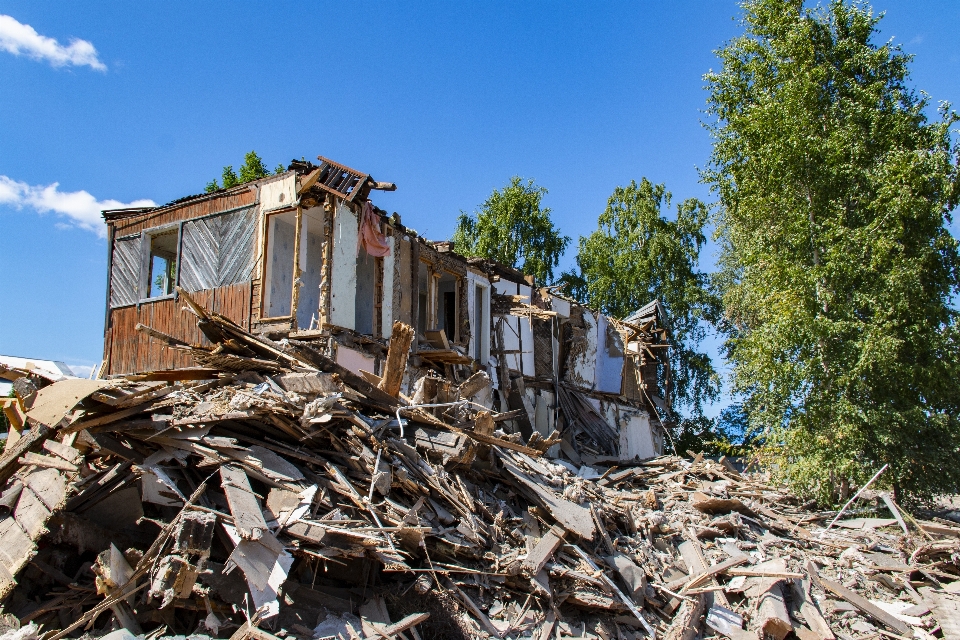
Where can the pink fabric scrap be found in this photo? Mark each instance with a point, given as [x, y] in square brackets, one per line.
[370, 237]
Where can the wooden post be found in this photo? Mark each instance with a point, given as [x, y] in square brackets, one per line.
[396, 364]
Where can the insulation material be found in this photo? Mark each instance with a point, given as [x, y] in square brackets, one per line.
[582, 363]
[343, 282]
[280, 193]
[217, 251]
[560, 306]
[125, 271]
[354, 360]
[609, 368]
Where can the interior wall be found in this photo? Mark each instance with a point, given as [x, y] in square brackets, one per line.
[343, 279]
[281, 238]
[366, 266]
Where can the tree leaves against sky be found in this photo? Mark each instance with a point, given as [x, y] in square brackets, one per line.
[837, 267]
[512, 228]
[636, 255]
[253, 168]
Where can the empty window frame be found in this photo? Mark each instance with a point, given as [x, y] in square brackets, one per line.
[480, 323]
[280, 239]
[311, 268]
[161, 267]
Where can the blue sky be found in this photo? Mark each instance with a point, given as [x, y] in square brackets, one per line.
[147, 101]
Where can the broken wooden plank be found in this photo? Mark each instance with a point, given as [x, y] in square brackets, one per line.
[247, 516]
[867, 607]
[542, 553]
[396, 364]
[772, 617]
[51, 462]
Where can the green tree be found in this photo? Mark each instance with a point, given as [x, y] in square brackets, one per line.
[252, 169]
[837, 268]
[513, 229]
[637, 255]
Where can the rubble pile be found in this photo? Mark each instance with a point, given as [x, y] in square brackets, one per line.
[269, 492]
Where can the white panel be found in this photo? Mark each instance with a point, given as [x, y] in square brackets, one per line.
[609, 374]
[636, 436]
[279, 193]
[526, 335]
[343, 281]
[388, 268]
[583, 361]
[560, 306]
[511, 326]
[483, 326]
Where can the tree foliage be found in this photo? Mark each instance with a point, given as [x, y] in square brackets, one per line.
[253, 168]
[837, 268]
[512, 228]
[637, 254]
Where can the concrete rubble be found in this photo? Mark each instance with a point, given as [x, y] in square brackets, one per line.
[271, 492]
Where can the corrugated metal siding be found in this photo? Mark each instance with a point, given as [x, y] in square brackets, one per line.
[125, 276]
[218, 251]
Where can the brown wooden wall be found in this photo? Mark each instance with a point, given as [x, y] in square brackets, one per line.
[185, 211]
[129, 351]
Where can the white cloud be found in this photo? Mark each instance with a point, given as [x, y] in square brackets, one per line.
[17, 38]
[78, 207]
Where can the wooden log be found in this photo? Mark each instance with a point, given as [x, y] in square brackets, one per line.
[393, 371]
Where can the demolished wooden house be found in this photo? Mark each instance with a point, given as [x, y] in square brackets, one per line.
[306, 256]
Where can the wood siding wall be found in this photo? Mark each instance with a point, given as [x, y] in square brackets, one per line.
[129, 351]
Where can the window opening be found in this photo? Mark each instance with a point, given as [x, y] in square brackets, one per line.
[163, 264]
[447, 306]
[278, 279]
[311, 265]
